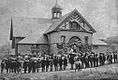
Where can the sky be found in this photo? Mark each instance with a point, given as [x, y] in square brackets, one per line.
[101, 14]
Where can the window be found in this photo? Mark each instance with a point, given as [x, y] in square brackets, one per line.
[74, 25]
[58, 15]
[55, 15]
[86, 39]
[63, 39]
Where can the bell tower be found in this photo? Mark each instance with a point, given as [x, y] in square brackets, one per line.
[56, 11]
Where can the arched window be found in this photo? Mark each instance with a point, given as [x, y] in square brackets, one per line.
[55, 15]
[74, 39]
[58, 15]
[63, 38]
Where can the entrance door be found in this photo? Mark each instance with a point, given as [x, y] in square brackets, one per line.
[75, 44]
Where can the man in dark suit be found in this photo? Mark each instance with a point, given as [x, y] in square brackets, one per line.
[55, 62]
[100, 59]
[115, 56]
[65, 63]
[51, 63]
[2, 65]
[47, 63]
[71, 60]
[60, 63]
[43, 64]
[25, 65]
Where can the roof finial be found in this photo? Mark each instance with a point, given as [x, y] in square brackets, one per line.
[56, 2]
[57, 5]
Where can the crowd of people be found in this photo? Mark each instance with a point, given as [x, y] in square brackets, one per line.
[48, 63]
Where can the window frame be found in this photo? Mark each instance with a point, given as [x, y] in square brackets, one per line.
[62, 39]
[74, 25]
[86, 39]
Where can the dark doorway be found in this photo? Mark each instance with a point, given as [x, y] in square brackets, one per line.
[75, 43]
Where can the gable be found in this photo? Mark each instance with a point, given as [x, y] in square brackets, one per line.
[70, 17]
[71, 26]
[74, 22]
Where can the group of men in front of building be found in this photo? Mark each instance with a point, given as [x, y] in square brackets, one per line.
[29, 64]
[56, 63]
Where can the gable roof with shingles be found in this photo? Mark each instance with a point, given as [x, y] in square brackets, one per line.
[35, 38]
[23, 27]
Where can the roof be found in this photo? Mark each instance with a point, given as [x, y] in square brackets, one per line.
[35, 28]
[23, 27]
[113, 39]
[56, 24]
[99, 42]
[35, 38]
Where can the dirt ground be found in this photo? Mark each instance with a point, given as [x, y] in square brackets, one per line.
[106, 72]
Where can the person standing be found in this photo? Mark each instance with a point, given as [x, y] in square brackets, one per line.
[14, 66]
[2, 66]
[18, 66]
[25, 65]
[71, 61]
[30, 65]
[37, 65]
[60, 63]
[100, 59]
[115, 57]
[110, 58]
[87, 60]
[55, 61]
[47, 63]
[96, 59]
[82, 57]
[51, 64]
[103, 59]
[34, 64]
[65, 63]
[43, 63]
[90, 60]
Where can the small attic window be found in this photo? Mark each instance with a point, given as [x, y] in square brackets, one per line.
[55, 15]
[74, 25]
[58, 15]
